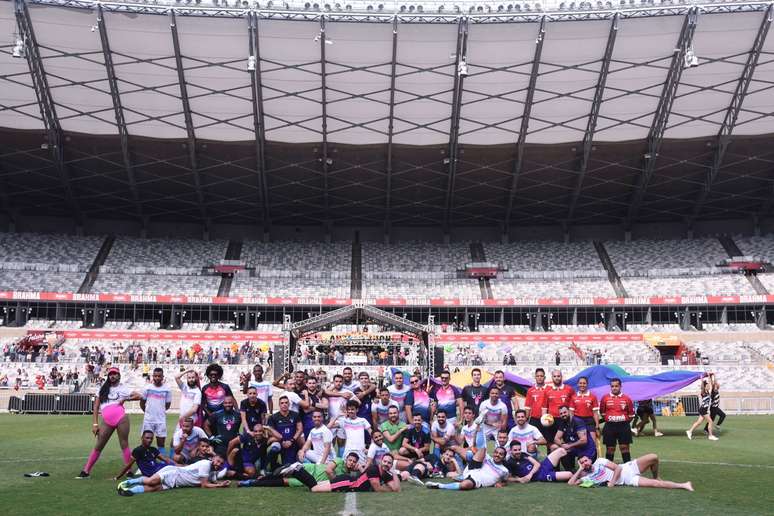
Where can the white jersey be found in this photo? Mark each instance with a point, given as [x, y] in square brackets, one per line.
[492, 413]
[447, 432]
[354, 430]
[376, 452]
[156, 399]
[264, 391]
[189, 397]
[351, 386]
[320, 437]
[600, 473]
[185, 476]
[294, 400]
[191, 442]
[488, 474]
[525, 435]
[381, 411]
[336, 405]
[116, 395]
[399, 396]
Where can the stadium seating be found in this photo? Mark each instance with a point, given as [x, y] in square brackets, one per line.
[723, 352]
[544, 256]
[161, 252]
[761, 246]
[718, 284]
[156, 284]
[49, 249]
[632, 258]
[552, 288]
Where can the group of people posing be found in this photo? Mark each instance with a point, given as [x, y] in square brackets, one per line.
[354, 435]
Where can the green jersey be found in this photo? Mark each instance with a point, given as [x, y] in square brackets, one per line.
[318, 472]
[392, 429]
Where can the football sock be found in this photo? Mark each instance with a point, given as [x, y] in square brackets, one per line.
[610, 456]
[626, 456]
[134, 481]
[454, 486]
[137, 489]
[269, 481]
[305, 478]
[93, 456]
[127, 454]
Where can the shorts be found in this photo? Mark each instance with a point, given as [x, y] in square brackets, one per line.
[630, 474]
[253, 457]
[546, 472]
[170, 478]
[490, 432]
[549, 432]
[535, 421]
[644, 412]
[315, 456]
[159, 429]
[703, 411]
[616, 432]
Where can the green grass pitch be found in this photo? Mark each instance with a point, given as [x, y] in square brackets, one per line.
[732, 476]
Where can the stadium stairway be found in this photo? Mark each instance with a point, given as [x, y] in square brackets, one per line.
[99, 260]
[356, 272]
[612, 274]
[733, 250]
[477, 254]
[233, 252]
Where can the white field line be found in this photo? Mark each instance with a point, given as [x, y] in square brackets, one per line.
[729, 464]
[350, 505]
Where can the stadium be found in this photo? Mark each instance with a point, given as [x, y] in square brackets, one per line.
[420, 188]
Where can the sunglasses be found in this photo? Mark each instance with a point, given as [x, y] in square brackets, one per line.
[414, 381]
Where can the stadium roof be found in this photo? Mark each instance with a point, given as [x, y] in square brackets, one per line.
[160, 113]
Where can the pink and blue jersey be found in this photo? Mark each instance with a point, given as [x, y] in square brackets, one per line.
[446, 399]
[419, 401]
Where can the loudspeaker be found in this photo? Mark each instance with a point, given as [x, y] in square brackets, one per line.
[438, 355]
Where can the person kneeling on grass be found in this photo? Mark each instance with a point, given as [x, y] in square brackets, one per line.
[148, 458]
[378, 478]
[524, 468]
[201, 474]
[605, 472]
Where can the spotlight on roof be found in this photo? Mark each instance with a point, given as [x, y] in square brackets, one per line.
[462, 69]
[251, 64]
[690, 60]
[18, 49]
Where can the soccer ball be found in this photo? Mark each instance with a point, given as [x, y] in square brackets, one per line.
[547, 420]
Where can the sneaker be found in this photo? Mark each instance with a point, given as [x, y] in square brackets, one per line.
[658, 434]
[713, 438]
[125, 492]
[246, 483]
[123, 485]
[82, 475]
[289, 469]
[414, 480]
[634, 431]
[689, 434]
[432, 485]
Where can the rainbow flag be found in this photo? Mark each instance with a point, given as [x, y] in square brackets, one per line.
[636, 387]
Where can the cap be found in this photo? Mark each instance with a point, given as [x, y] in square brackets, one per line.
[114, 370]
